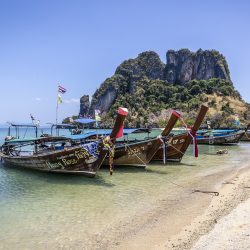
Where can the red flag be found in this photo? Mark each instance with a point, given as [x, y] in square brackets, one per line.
[61, 89]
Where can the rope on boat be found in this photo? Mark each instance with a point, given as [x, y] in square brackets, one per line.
[126, 145]
[164, 152]
[170, 145]
[182, 120]
[111, 159]
[111, 152]
[193, 136]
[164, 147]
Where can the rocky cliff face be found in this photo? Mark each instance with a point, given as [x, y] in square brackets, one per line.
[147, 64]
[84, 105]
[181, 67]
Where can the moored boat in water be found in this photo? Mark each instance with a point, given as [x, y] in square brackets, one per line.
[140, 153]
[219, 137]
[51, 154]
[176, 145]
[246, 136]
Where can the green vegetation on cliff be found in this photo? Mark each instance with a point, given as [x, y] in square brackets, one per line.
[150, 89]
[153, 96]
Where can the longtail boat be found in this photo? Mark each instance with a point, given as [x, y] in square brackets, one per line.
[51, 155]
[140, 153]
[219, 137]
[246, 136]
[175, 146]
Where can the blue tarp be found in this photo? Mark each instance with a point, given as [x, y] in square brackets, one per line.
[64, 126]
[35, 139]
[217, 131]
[81, 136]
[105, 132]
[84, 120]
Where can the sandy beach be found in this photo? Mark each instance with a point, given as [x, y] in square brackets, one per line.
[231, 232]
[193, 219]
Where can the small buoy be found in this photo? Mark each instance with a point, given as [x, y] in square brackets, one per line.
[222, 151]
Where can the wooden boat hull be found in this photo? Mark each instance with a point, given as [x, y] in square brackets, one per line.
[175, 149]
[138, 153]
[75, 160]
[245, 137]
[232, 138]
[176, 146]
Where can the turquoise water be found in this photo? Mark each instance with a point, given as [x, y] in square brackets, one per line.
[39, 210]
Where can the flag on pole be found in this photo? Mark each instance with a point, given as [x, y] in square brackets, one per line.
[237, 120]
[61, 89]
[97, 115]
[59, 99]
[35, 121]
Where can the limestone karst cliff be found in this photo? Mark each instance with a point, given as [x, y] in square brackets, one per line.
[147, 86]
[183, 66]
[84, 105]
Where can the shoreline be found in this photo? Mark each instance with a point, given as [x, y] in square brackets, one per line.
[179, 224]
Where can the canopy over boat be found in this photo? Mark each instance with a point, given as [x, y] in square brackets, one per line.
[106, 132]
[64, 126]
[85, 120]
[34, 140]
[14, 124]
[18, 126]
[81, 136]
[217, 131]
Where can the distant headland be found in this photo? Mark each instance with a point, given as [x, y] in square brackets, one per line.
[149, 88]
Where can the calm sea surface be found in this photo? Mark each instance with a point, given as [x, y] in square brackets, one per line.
[39, 210]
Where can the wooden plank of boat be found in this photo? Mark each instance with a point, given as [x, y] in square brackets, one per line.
[140, 153]
[177, 145]
[83, 159]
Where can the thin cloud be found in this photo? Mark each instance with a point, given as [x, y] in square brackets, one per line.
[38, 99]
[72, 100]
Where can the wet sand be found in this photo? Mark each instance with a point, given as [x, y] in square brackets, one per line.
[179, 223]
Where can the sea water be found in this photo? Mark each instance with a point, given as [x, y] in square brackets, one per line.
[39, 210]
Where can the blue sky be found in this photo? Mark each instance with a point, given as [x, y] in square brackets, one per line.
[80, 43]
